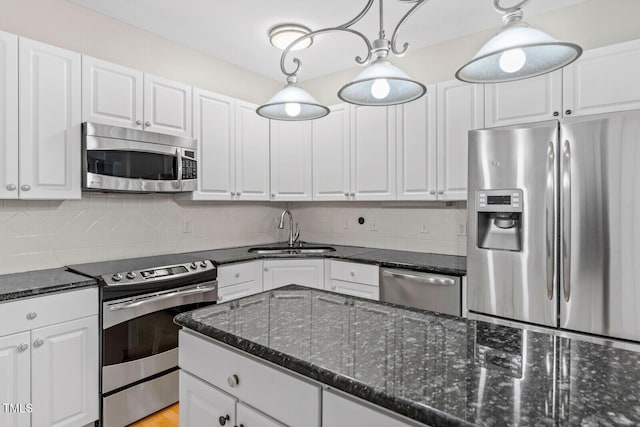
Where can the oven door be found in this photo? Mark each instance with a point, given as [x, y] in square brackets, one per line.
[139, 338]
[135, 166]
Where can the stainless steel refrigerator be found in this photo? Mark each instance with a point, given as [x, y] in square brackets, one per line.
[554, 224]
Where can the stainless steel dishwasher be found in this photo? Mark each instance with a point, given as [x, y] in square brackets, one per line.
[434, 292]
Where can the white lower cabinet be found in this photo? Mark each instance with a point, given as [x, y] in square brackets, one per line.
[356, 279]
[341, 411]
[49, 361]
[304, 272]
[239, 280]
[202, 405]
[249, 417]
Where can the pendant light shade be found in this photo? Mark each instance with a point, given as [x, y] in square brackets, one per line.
[381, 83]
[292, 103]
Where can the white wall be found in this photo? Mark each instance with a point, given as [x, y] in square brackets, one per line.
[398, 225]
[65, 24]
[43, 234]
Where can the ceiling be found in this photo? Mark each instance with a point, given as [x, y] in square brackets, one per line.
[236, 30]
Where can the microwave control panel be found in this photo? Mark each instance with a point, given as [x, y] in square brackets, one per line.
[189, 165]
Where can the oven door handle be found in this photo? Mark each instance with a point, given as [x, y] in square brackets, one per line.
[139, 302]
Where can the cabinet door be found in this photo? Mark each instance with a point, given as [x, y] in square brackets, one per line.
[416, 149]
[523, 101]
[304, 272]
[64, 368]
[290, 160]
[49, 121]
[214, 128]
[603, 80]
[252, 153]
[8, 116]
[460, 109]
[111, 94]
[167, 106]
[15, 363]
[355, 289]
[342, 411]
[249, 417]
[204, 405]
[373, 145]
[331, 162]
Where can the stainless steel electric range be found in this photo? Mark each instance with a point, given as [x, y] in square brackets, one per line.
[139, 342]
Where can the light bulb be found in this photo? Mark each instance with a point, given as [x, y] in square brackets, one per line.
[380, 88]
[512, 60]
[292, 109]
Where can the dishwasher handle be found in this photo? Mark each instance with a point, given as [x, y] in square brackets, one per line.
[430, 280]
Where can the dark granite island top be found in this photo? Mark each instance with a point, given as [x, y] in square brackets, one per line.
[35, 283]
[436, 369]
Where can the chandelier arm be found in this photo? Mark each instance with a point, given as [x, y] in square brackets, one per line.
[496, 5]
[298, 63]
[394, 38]
[358, 16]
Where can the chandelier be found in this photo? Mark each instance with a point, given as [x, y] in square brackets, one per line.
[516, 52]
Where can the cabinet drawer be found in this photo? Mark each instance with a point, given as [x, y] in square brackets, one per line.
[255, 383]
[355, 289]
[243, 272]
[354, 272]
[48, 310]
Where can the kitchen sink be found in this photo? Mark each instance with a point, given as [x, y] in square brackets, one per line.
[291, 251]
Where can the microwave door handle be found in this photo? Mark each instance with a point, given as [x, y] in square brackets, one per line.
[138, 303]
[566, 221]
[179, 156]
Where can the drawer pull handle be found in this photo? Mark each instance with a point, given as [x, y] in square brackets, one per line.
[236, 275]
[22, 347]
[32, 315]
[223, 419]
[233, 380]
[38, 342]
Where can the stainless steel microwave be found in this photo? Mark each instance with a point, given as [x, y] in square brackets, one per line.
[128, 160]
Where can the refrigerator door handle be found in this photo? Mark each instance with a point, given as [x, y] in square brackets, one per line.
[566, 221]
[550, 217]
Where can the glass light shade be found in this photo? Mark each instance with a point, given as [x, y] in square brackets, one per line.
[292, 103]
[381, 83]
[282, 36]
[518, 52]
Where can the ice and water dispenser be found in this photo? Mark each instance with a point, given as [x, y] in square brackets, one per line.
[499, 216]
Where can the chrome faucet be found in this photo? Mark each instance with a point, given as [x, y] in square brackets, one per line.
[292, 238]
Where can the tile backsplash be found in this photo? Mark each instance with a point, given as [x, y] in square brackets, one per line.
[44, 234]
[422, 227]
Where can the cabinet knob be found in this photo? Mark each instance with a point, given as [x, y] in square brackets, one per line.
[147, 123]
[223, 419]
[440, 191]
[25, 187]
[22, 347]
[239, 194]
[11, 187]
[266, 269]
[432, 192]
[568, 112]
[138, 122]
[233, 380]
[38, 342]
[236, 275]
[32, 315]
[333, 287]
[273, 196]
[346, 194]
[353, 274]
[233, 193]
[556, 114]
[352, 194]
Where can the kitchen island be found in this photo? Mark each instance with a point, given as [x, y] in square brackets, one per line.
[310, 357]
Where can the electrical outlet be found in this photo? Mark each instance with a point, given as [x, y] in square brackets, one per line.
[462, 229]
[186, 226]
[374, 225]
[425, 228]
[347, 223]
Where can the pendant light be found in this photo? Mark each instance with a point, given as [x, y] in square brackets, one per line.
[381, 83]
[517, 52]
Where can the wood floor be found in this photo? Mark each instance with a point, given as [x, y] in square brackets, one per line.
[168, 417]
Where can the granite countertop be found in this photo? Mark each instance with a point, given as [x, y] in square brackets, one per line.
[436, 369]
[417, 261]
[35, 283]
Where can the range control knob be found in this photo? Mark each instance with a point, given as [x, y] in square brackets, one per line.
[116, 277]
[131, 275]
[203, 264]
[193, 266]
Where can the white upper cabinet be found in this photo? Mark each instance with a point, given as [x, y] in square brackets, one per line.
[167, 106]
[290, 160]
[8, 116]
[460, 109]
[523, 101]
[111, 94]
[252, 153]
[373, 157]
[50, 117]
[214, 128]
[416, 148]
[603, 80]
[331, 161]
